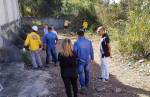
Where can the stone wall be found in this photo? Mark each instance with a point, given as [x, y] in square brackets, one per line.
[57, 23]
[10, 22]
[9, 11]
[8, 41]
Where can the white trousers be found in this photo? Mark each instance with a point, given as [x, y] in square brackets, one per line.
[104, 68]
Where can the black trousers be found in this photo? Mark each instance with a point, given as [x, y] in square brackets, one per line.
[71, 83]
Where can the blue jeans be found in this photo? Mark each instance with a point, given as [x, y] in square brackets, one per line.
[47, 56]
[51, 52]
[84, 68]
[36, 59]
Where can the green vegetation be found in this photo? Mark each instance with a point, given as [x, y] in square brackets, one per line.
[26, 58]
[136, 40]
[40, 8]
[127, 22]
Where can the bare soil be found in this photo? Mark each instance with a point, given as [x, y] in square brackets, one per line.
[19, 81]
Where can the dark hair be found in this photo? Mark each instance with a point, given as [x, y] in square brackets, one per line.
[80, 33]
[49, 28]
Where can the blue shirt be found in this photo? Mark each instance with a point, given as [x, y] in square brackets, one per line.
[50, 39]
[84, 50]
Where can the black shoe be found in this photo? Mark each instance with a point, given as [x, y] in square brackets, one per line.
[41, 68]
[106, 79]
[82, 90]
[56, 63]
[100, 78]
[34, 68]
[87, 86]
[46, 66]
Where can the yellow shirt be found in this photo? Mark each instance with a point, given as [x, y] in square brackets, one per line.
[33, 41]
[85, 25]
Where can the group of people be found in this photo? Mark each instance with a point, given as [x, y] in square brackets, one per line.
[36, 44]
[74, 59]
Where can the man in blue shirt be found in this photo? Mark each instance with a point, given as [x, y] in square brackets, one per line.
[84, 50]
[50, 40]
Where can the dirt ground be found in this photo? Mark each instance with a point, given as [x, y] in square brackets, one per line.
[124, 82]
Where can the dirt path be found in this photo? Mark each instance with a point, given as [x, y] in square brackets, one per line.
[124, 82]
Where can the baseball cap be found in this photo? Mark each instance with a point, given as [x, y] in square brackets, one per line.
[35, 28]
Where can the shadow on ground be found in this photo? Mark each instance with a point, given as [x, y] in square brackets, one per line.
[20, 82]
[114, 88]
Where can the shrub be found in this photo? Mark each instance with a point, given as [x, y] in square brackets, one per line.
[137, 38]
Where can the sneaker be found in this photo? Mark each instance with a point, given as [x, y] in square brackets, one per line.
[56, 64]
[41, 68]
[46, 66]
[51, 62]
[105, 80]
[82, 90]
[100, 78]
[34, 68]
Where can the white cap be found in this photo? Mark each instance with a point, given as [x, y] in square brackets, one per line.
[35, 28]
[99, 28]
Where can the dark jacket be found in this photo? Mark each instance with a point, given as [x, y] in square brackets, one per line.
[68, 65]
[104, 45]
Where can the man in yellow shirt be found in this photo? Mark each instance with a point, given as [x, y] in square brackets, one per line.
[34, 43]
[85, 25]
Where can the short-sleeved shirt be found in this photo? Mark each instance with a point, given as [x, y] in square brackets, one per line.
[33, 40]
[50, 40]
[104, 45]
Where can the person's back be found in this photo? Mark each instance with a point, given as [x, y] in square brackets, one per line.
[85, 25]
[68, 66]
[33, 41]
[50, 39]
[84, 49]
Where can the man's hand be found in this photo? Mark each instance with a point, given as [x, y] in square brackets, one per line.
[92, 61]
[23, 49]
[40, 49]
[110, 55]
[92, 69]
[44, 47]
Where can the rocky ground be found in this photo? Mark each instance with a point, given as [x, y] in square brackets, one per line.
[19, 81]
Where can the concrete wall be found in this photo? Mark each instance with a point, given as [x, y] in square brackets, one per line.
[9, 11]
[57, 23]
[9, 24]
